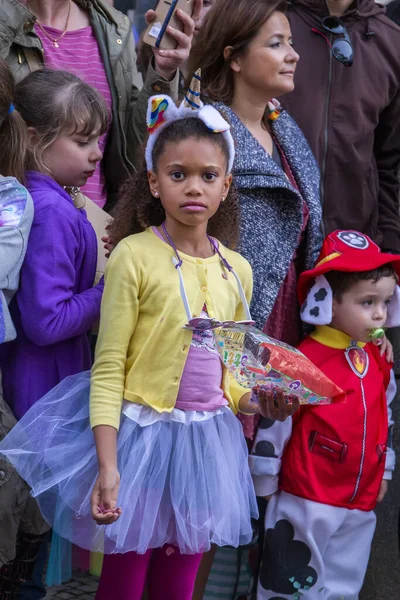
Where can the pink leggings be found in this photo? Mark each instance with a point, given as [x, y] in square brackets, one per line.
[169, 574]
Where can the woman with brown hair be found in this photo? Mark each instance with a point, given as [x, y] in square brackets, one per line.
[247, 60]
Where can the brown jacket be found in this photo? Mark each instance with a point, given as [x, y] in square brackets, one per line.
[21, 48]
[351, 116]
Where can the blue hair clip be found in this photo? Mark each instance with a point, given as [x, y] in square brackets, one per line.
[11, 109]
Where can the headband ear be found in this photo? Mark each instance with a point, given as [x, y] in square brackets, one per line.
[162, 110]
[393, 318]
[159, 110]
[317, 308]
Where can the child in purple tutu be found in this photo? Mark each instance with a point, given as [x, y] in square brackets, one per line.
[168, 474]
[22, 526]
[56, 304]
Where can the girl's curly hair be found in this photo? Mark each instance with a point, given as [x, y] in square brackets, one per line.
[137, 209]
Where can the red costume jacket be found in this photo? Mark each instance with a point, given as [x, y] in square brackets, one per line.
[336, 453]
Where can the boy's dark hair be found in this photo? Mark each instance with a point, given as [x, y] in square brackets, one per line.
[342, 281]
[137, 209]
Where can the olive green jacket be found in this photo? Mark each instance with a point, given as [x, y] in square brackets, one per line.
[22, 50]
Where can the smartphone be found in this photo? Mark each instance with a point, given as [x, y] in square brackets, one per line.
[155, 34]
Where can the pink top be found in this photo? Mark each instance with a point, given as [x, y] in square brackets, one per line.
[79, 53]
[200, 386]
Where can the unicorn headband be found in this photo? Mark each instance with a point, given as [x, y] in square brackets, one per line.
[162, 111]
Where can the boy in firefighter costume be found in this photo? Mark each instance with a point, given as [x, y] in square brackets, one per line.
[328, 466]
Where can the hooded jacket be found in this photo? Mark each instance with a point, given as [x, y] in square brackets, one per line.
[351, 116]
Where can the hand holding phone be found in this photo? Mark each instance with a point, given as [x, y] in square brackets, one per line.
[167, 62]
[157, 34]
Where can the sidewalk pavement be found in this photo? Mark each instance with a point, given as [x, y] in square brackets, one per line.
[81, 587]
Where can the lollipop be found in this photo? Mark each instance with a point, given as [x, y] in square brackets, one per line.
[377, 333]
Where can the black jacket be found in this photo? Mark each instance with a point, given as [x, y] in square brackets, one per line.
[351, 116]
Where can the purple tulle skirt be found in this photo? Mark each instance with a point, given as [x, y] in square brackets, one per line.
[185, 478]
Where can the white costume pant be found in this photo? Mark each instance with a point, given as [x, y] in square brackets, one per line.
[314, 551]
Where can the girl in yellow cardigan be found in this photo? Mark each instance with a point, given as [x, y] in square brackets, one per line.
[170, 476]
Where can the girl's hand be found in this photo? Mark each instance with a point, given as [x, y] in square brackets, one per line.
[385, 347]
[104, 497]
[383, 490]
[167, 62]
[108, 245]
[108, 242]
[273, 404]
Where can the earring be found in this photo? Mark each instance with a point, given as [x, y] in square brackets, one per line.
[223, 199]
[155, 194]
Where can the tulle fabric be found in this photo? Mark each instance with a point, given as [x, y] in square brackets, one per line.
[184, 476]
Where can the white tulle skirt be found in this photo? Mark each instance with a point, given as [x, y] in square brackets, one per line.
[184, 475]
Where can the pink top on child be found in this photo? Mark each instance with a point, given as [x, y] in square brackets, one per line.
[78, 52]
[200, 386]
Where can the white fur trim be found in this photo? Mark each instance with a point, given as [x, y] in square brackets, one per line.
[317, 308]
[207, 113]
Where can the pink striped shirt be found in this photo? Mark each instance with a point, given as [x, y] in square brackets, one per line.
[79, 53]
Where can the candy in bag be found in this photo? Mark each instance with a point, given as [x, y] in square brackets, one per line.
[257, 360]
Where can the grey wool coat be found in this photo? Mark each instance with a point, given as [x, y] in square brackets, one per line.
[271, 208]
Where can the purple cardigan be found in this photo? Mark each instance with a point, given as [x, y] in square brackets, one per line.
[56, 305]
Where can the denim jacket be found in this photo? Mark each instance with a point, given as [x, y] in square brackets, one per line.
[16, 215]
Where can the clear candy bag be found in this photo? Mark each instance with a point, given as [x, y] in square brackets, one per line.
[257, 360]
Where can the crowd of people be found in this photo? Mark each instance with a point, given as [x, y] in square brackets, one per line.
[250, 174]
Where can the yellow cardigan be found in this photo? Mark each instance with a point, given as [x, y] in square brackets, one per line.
[141, 349]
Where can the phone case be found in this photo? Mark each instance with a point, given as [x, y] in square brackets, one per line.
[155, 34]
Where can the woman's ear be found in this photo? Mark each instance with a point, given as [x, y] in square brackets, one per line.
[233, 63]
[153, 183]
[33, 137]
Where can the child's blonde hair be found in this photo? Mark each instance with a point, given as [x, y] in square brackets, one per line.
[58, 103]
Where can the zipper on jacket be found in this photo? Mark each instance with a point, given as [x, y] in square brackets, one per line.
[364, 441]
[98, 32]
[123, 136]
[326, 135]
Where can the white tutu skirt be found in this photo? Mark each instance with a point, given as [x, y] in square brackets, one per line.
[185, 478]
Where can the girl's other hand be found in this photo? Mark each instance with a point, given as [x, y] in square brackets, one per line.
[108, 242]
[273, 404]
[108, 245]
[385, 347]
[104, 497]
